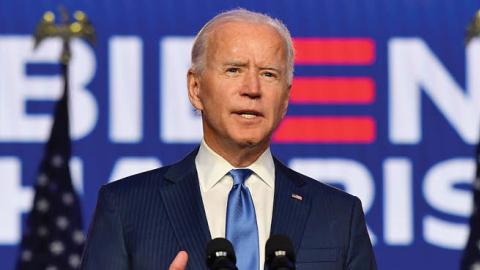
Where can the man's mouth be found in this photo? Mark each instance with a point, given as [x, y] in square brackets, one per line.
[248, 114]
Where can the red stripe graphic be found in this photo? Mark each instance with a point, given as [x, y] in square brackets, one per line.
[333, 90]
[332, 129]
[334, 51]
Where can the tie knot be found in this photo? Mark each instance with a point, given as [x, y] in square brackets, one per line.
[240, 175]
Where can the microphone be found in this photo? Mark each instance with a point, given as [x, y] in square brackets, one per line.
[220, 255]
[279, 253]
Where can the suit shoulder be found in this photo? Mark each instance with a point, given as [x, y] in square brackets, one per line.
[146, 181]
[318, 188]
[143, 180]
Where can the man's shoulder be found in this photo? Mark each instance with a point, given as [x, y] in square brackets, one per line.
[148, 180]
[143, 180]
[316, 188]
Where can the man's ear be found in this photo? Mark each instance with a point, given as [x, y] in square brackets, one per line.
[285, 101]
[193, 85]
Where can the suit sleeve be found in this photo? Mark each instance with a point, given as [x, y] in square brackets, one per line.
[360, 252]
[105, 247]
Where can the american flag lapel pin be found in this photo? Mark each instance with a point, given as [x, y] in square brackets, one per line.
[297, 197]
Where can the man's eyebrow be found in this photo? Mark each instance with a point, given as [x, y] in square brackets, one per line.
[244, 64]
[270, 68]
[235, 64]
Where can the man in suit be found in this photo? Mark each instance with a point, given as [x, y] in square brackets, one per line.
[240, 80]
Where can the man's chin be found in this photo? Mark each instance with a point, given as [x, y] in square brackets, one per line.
[252, 142]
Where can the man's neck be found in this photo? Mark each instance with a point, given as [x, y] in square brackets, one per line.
[238, 156]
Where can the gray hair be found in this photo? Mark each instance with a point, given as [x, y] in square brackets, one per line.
[199, 48]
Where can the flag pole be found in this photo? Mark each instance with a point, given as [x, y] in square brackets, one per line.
[471, 254]
[53, 237]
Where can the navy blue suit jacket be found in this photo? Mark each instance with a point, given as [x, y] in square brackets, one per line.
[141, 222]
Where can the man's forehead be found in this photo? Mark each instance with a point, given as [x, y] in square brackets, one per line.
[232, 27]
[236, 35]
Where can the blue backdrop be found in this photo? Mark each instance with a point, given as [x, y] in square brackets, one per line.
[385, 104]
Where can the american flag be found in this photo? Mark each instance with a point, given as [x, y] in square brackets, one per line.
[53, 238]
[471, 256]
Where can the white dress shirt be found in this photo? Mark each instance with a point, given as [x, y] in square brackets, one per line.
[215, 186]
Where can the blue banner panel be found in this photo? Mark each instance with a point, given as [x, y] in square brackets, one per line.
[385, 104]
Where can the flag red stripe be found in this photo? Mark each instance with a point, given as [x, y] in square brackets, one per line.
[331, 129]
[334, 51]
[332, 90]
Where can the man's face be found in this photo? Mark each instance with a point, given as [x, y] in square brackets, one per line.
[243, 90]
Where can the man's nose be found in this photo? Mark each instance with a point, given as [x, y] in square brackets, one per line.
[251, 87]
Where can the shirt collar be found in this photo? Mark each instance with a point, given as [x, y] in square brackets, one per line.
[211, 167]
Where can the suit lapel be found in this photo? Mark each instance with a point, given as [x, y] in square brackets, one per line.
[291, 205]
[183, 202]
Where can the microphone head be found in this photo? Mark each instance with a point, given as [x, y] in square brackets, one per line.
[220, 254]
[279, 253]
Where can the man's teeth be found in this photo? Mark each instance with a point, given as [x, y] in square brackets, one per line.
[247, 115]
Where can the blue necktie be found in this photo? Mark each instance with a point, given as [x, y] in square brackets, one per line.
[241, 222]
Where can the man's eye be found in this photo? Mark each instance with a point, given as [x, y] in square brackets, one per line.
[233, 70]
[269, 74]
